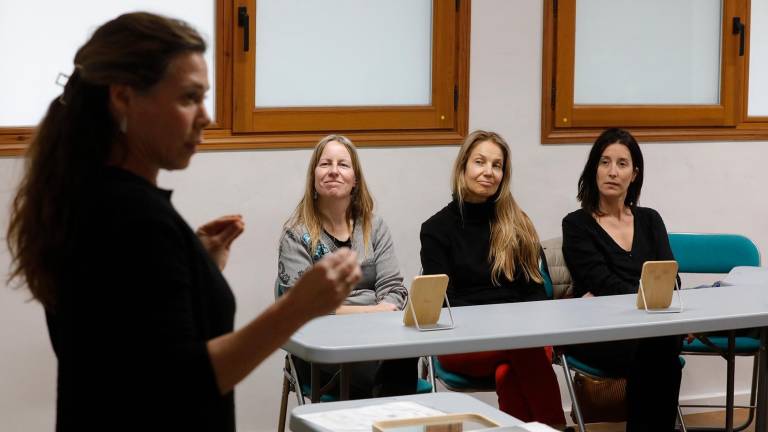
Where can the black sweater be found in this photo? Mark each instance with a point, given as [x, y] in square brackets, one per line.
[599, 265]
[133, 316]
[459, 248]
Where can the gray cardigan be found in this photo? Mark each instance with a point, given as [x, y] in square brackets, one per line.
[381, 279]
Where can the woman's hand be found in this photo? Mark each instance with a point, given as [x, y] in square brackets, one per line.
[384, 307]
[326, 284]
[217, 236]
[356, 309]
[322, 287]
[588, 294]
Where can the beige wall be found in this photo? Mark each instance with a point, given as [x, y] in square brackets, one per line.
[707, 187]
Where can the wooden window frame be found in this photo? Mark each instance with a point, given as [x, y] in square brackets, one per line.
[565, 122]
[753, 121]
[379, 129]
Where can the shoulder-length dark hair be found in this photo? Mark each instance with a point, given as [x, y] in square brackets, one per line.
[77, 136]
[589, 195]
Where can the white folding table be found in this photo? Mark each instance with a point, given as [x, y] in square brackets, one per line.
[362, 337]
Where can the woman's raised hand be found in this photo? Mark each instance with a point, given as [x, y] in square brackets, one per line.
[217, 236]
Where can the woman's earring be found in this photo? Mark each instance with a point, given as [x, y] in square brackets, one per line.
[124, 124]
[314, 195]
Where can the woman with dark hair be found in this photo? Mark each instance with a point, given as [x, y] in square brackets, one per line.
[605, 244]
[336, 210]
[138, 312]
[490, 250]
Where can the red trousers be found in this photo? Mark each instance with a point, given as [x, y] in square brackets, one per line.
[525, 382]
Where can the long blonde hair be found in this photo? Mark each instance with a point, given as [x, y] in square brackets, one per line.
[513, 237]
[360, 206]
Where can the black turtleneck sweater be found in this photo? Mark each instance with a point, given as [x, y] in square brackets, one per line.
[458, 246]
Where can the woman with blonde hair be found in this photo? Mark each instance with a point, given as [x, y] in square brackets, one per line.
[490, 250]
[337, 211]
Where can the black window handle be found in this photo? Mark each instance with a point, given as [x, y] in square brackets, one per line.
[738, 28]
[244, 22]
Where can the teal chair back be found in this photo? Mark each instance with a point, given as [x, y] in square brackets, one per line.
[712, 253]
[719, 253]
[548, 288]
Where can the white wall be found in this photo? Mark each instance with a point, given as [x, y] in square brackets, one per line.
[707, 187]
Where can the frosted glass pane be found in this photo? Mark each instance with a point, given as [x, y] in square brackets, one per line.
[758, 59]
[343, 52]
[647, 52]
[38, 39]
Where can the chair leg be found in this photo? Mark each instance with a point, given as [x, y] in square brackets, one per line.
[680, 419]
[731, 372]
[751, 406]
[762, 383]
[572, 393]
[294, 380]
[752, 394]
[283, 404]
[432, 378]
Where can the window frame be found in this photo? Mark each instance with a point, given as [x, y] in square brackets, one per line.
[755, 121]
[563, 121]
[222, 134]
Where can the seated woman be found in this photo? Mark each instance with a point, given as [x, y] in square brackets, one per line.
[605, 244]
[489, 249]
[337, 211]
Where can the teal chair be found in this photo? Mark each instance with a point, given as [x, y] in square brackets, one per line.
[570, 364]
[465, 383]
[291, 382]
[458, 382]
[719, 253]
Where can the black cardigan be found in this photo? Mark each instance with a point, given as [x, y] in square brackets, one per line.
[599, 265]
[459, 248]
[134, 314]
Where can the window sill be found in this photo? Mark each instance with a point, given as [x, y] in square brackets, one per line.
[14, 141]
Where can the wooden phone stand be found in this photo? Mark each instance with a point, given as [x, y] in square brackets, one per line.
[658, 282]
[425, 303]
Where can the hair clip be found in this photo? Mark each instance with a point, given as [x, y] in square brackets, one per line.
[61, 81]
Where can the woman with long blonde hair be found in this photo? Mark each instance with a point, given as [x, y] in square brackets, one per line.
[490, 250]
[336, 211]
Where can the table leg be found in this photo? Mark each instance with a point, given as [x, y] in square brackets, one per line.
[762, 385]
[315, 383]
[344, 381]
[731, 367]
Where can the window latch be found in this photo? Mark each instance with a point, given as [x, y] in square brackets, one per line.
[738, 29]
[244, 22]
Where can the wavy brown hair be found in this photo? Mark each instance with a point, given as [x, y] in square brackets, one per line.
[76, 138]
[514, 241]
[360, 206]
